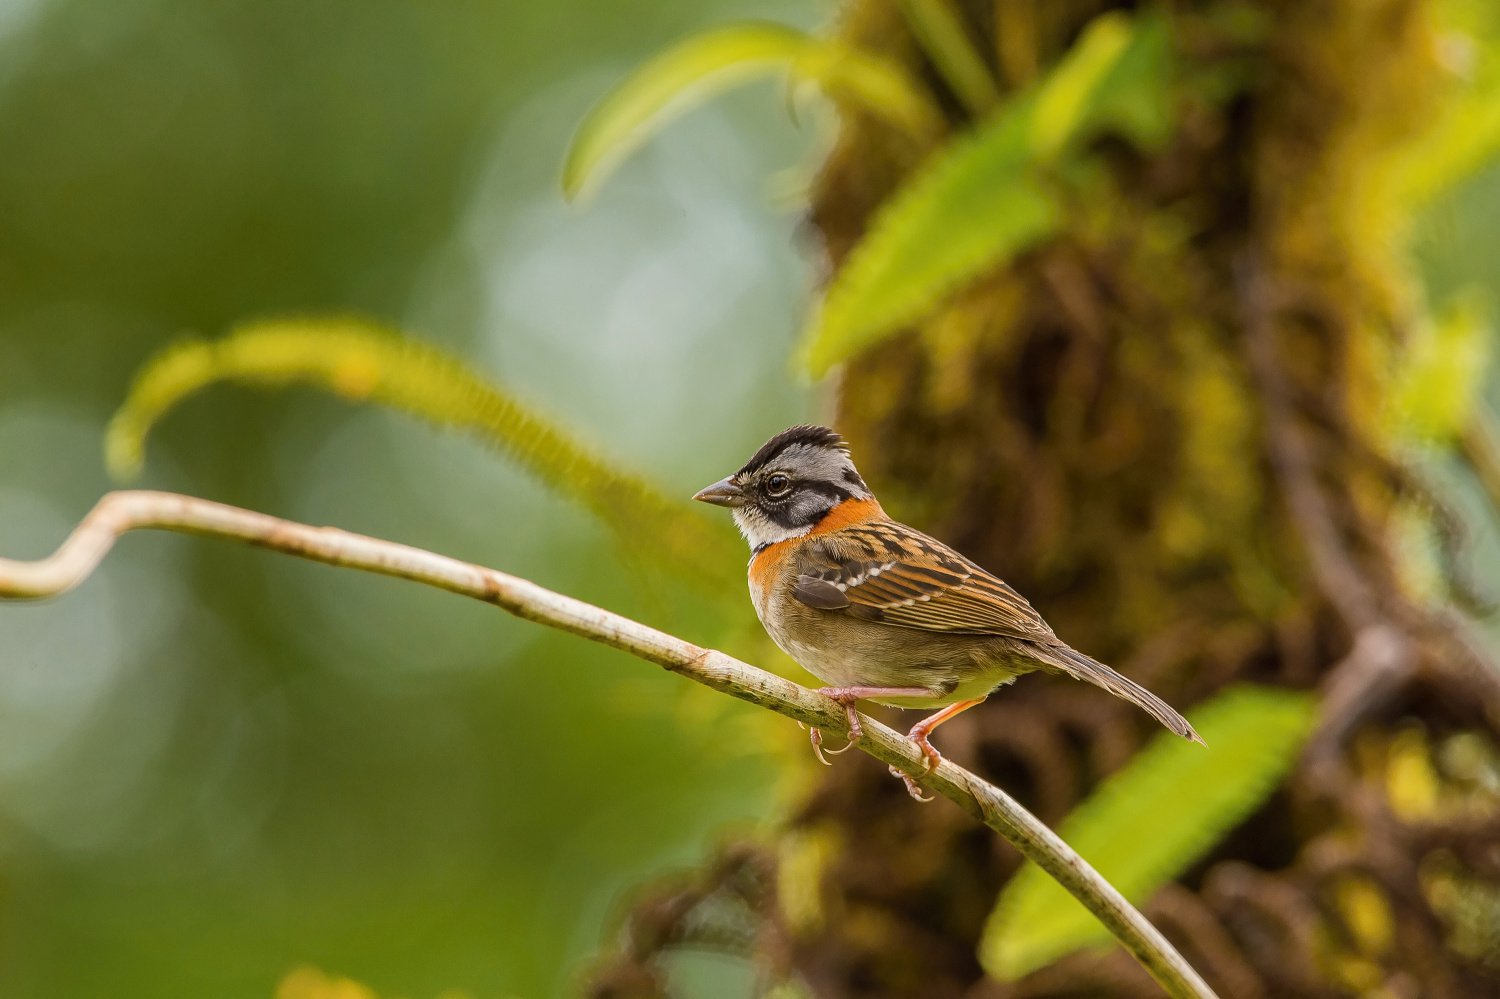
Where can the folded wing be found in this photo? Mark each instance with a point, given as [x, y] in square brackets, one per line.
[891, 573]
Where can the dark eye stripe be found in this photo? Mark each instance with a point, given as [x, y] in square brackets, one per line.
[803, 505]
[834, 492]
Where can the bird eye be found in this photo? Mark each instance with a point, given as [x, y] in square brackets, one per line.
[778, 485]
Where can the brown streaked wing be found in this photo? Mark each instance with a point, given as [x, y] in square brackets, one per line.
[895, 574]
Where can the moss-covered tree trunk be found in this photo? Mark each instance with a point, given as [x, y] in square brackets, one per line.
[1164, 428]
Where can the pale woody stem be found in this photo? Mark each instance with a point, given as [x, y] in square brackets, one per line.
[119, 512]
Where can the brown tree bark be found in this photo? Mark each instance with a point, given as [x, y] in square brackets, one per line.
[1163, 428]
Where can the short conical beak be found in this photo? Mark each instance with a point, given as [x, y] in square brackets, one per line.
[722, 493]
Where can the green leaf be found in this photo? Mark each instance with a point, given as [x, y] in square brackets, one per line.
[1465, 135]
[1070, 92]
[1133, 97]
[702, 67]
[969, 211]
[982, 200]
[940, 28]
[363, 362]
[1148, 822]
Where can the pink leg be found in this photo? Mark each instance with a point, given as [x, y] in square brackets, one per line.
[847, 696]
[919, 733]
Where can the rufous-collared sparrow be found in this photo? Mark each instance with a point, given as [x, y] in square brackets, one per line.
[880, 610]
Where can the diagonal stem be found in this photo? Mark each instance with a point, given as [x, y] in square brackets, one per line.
[119, 512]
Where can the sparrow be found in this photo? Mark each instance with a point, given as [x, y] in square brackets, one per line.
[880, 611]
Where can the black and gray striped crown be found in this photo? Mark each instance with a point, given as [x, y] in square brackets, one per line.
[806, 434]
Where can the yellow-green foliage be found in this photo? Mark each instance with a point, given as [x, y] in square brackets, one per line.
[364, 363]
[1214, 504]
[985, 198]
[1442, 372]
[1466, 134]
[705, 65]
[1151, 820]
[1468, 904]
[804, 858]
[940, 28]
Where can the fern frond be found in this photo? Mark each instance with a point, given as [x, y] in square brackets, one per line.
[1148, 822]
[981, 201]
[362, 362]
[700, 68]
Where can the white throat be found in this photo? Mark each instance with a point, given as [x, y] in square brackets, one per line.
[761, 531]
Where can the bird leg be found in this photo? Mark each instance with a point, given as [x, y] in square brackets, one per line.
[922, 729]
[847, 696]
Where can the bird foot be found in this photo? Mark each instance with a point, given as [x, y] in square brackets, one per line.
[845, 696]
[924, 728]
[930, 756]
[818, 750]
[911, 785]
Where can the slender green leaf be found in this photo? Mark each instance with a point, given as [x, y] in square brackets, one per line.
[703, 66]
[1148, 822]
[365, 363]
[970, 210]
[1133, 95]
[982, 200]
[1070, 92]
[1464, 140]
[879, 85]
[940, 28]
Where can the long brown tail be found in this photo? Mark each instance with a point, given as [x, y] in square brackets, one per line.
[1081, 667]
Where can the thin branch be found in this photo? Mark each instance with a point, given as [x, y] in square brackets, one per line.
[119, 512]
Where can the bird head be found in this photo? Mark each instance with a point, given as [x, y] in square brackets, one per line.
[790, 484]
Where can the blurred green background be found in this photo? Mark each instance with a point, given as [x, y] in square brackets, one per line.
[216, 764]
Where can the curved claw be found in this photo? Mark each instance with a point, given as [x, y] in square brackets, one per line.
[922, 729]
[817, 744]
[856, 731]
[818, 747]
[836, 752]
[929, 755]
[911, 785]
